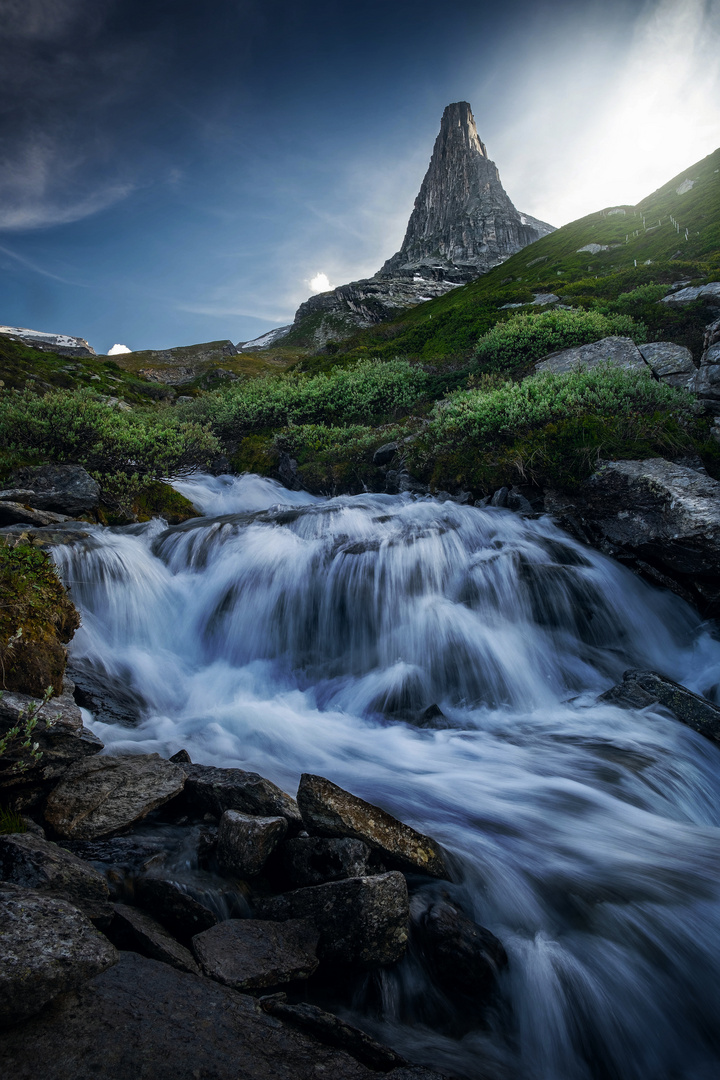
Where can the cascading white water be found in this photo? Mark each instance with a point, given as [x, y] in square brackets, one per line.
[312, 635]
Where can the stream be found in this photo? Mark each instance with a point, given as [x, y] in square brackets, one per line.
[284, 633]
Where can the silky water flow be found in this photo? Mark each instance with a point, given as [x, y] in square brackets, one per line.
[283, 633]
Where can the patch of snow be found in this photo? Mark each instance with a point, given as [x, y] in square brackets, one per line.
[687, 185]
[265, 339]
[594, 248]
[61, 340]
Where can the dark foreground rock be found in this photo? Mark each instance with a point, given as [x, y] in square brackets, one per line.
[362, 921]
[327, 810]
[145, 1020]
[47, 947]
[34, 863]
[331, 1030]
[102, 795]
[64, 489]
[464, 958]
[211, 790]
[250, 954]
[642, 688]
[245, 843]
[313, 860]
[136, 931]
[167, 901]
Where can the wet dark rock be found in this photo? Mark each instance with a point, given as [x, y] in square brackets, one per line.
[327, 810]
[145, 1020]
[642, 688]
[212, 790]
[362, 921]
[385, 453]
[170, 904]
[500, 497]
[34, 863]
[464, 958]
[136, 931]
[287, 472]
[110, 697]
[124, 853]
[103, 795]
[47, 947]
[332, 1031]
[65, 489]
[434, 719]
[181, 758]
[245, 843]
[249, 954]
[313, 860]
[15, 513]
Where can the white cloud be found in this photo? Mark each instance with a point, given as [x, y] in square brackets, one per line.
[319, 283]
[117, 350]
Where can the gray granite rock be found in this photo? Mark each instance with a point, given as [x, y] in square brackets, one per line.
[707, 378]
[710, 293]
[252, 954]
[212, 790]
[328, 810]
[64, 489]
[145, 1020]
[136, 931]
[47, 947]
[34, 863]
[15, 513]
[362, 921]
[313, 860]
[639, 689]
[101, 795]
[245, 843]
[620, 351]
[671, 363]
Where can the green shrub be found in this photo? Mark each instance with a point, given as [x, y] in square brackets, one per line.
[523, 339]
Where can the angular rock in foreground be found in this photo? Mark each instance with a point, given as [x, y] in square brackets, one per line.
[245, 843]
[642, 688]
[333, 1031]
[463, 956]
[64, 489]
[327, 810]
[138, 932]
[621, 351]
[182, 914]
[710, 293]
[362, 921]
[34, 863]
[15, 513]
[47, 947]
[144, 1020]
[663, 513]
[214, 791]
[102, 795]
[250, 954]
[671, 363]
[313, 860]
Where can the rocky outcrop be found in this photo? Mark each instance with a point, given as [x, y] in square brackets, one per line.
[214, 791]
[706, 383]
[463, 222]
[671, 363]
[249, 954]
[101, 795]
[62, 344]
[464, 958]
[34, 863]
[709, 293]
[169, 903]
[668, 362]
[311, 860]
[63, 489]
[327, 810]
[137, 931]
[180, 364]
[47, 947]
[640, 689]
[245, 843]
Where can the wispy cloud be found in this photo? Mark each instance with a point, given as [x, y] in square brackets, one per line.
[30, 264]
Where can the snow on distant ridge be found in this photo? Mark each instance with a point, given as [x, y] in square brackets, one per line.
[266, 339]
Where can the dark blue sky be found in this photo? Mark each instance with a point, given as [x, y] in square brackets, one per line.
[174, 172]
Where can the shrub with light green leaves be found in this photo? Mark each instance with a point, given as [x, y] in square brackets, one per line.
[523, 339]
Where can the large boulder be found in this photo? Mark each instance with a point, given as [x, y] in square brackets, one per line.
[34, 863]
[17, 513]
[328, 810]
[64, 489]
[709, 293]
[706, 383]
[639, 689]
[464, 958]
[145, 1020]
[249, 954]
[137, 931]
[101, 795]
[333, 1031]
[664, 515]
[245, 843]
[169, 903]
[211, 790]
[47, 947]
[313, 860]
[620, 351]
[362, 921]
[672, 364]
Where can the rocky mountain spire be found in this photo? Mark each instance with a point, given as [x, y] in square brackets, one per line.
[463, 222]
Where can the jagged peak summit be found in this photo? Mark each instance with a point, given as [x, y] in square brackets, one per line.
[458, 127]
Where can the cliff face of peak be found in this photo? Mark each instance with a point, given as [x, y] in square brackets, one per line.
[463, 221]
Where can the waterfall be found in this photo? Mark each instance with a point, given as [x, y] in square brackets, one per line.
[444, 662]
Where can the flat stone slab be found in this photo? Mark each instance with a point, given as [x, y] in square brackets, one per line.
[146, 1021]
[710, 293]
[328, 810]
[642, 688]
[47, 947]
[245, 843]
[362, 921]
[620, 351]
[214, 791]
[34, 863]
[101, 795]
[15, 513]
[251, 954]
[137, 931]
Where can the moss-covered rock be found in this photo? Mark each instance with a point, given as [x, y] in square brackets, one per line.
[37, 620]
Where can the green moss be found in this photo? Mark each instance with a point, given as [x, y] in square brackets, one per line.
[161, 500]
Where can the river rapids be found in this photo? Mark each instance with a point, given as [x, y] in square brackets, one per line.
[284, 633]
